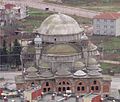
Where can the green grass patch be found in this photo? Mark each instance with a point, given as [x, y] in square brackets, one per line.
[96, 5]
[110, 8]
[113, 43]
[108, 67]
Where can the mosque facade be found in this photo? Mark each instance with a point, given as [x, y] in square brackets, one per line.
[65, 60]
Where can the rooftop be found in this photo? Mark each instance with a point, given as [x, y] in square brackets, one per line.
[9, 6]
[108, 15]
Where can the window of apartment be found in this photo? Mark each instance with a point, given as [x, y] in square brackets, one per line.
[111, 26]
[105, 26]
[111, 20]
[105, 32]
[105, 20]
[98, 31]
[98, 20]
[98, 26]
[112, 32]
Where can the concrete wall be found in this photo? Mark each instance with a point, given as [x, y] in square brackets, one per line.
[104, 27]
[118, 27]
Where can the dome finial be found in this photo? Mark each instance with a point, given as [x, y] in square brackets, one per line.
[84, 37]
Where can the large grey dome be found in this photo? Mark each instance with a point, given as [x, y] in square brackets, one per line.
[59, 24]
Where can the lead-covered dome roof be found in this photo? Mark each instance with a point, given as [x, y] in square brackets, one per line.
[59, 24]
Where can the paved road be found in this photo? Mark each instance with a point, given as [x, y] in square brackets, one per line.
[9, 76]
[58, 8]
[110, 62]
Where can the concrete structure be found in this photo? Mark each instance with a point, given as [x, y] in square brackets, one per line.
[107, 23]
[67, 60]
[16, 11]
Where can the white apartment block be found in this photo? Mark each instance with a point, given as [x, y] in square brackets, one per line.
[107, 24]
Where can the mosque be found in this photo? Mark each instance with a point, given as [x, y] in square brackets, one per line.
[65, 60]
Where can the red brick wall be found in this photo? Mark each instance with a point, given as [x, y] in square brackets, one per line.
[95, 86]
[63, 84]
[20, 86]
[106, 87]
[96, 99]
[80, 87]
[47, 86]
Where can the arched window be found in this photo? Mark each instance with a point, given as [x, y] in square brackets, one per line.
[94, 82]
[80, 83]
[48, 89]
[95, 86]
[32, 84]
[44, 89]
[60, 83]
[59, 89]
[78, 88]
[68, 88]
[64, 89]
[47, 84]
[92, 88]
[81, 87]
[63, 85]
[68, 83]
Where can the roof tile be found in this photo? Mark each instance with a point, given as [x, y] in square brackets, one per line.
[108, 15]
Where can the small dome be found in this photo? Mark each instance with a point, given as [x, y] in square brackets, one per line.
[79, 73]
[59, 24]
[94, 73]
[43, 64]
[63, 49]
[84, 37]
[31, 69]
[32, 75]
[91, 46]
[79, 64]
[38, 40]
[92, 61]
[107, 78]
[93, 67]
[46, 74]
[63, 72]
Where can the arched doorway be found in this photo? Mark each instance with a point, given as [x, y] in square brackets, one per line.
[63, 86]
[32, 84]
